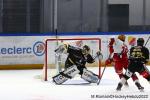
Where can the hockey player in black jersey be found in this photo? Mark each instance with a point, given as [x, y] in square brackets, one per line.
[75, 64]
[139, 56]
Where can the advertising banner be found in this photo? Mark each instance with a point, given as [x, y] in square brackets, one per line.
[21, 50]
[16, 50]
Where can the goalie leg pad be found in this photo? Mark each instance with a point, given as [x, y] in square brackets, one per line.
[66, 74]
[90, 76]
[72, 71]
[59, 79]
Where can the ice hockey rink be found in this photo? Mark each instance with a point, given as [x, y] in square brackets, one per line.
[22, 85]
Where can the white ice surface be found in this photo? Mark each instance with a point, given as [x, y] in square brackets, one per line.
[22, 85]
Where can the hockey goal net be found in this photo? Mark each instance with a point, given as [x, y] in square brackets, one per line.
[54, 64]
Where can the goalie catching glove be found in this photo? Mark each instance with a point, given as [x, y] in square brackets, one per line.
[60, 49]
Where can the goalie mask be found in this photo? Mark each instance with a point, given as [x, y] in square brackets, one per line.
[86, 50]
[140, 42]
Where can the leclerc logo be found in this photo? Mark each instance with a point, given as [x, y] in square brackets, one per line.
[39, 48]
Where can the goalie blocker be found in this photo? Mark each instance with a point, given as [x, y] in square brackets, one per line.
[70, 72]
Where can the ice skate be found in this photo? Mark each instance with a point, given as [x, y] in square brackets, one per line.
[119, 87]
[126, 84]
[141, 88]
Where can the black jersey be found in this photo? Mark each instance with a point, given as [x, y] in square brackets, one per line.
[139, 53]
[75, 56]
[138, 56]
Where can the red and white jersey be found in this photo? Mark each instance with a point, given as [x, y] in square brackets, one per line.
[118, 50]
[119, 46]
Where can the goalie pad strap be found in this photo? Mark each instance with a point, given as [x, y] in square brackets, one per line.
[89, 76]
[66, 74]
[72, 71]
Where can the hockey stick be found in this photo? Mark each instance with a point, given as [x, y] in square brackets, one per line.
[146, 69]
[147, 41]
[101, 75]
[144, 65]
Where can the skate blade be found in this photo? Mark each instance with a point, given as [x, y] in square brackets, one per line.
[126, 86]
[141, 90]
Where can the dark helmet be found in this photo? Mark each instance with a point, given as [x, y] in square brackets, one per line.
[140, 41]
[86, 49]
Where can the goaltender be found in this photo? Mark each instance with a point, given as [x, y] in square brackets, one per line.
[75, 63]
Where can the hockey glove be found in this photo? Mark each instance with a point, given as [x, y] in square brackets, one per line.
[108, 61]
[98, 55]
[112, 40]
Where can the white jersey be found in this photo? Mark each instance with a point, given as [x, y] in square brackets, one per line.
[118, 46]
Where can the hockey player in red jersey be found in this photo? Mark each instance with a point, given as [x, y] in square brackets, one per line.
[139, 56]
[119, 55]
[75, 64]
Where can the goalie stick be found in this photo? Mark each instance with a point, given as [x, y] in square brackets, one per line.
[103, 72]
[100, 55]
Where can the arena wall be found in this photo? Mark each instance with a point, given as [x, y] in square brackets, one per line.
[24, 52]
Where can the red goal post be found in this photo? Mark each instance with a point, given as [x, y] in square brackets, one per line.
[51, 44]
